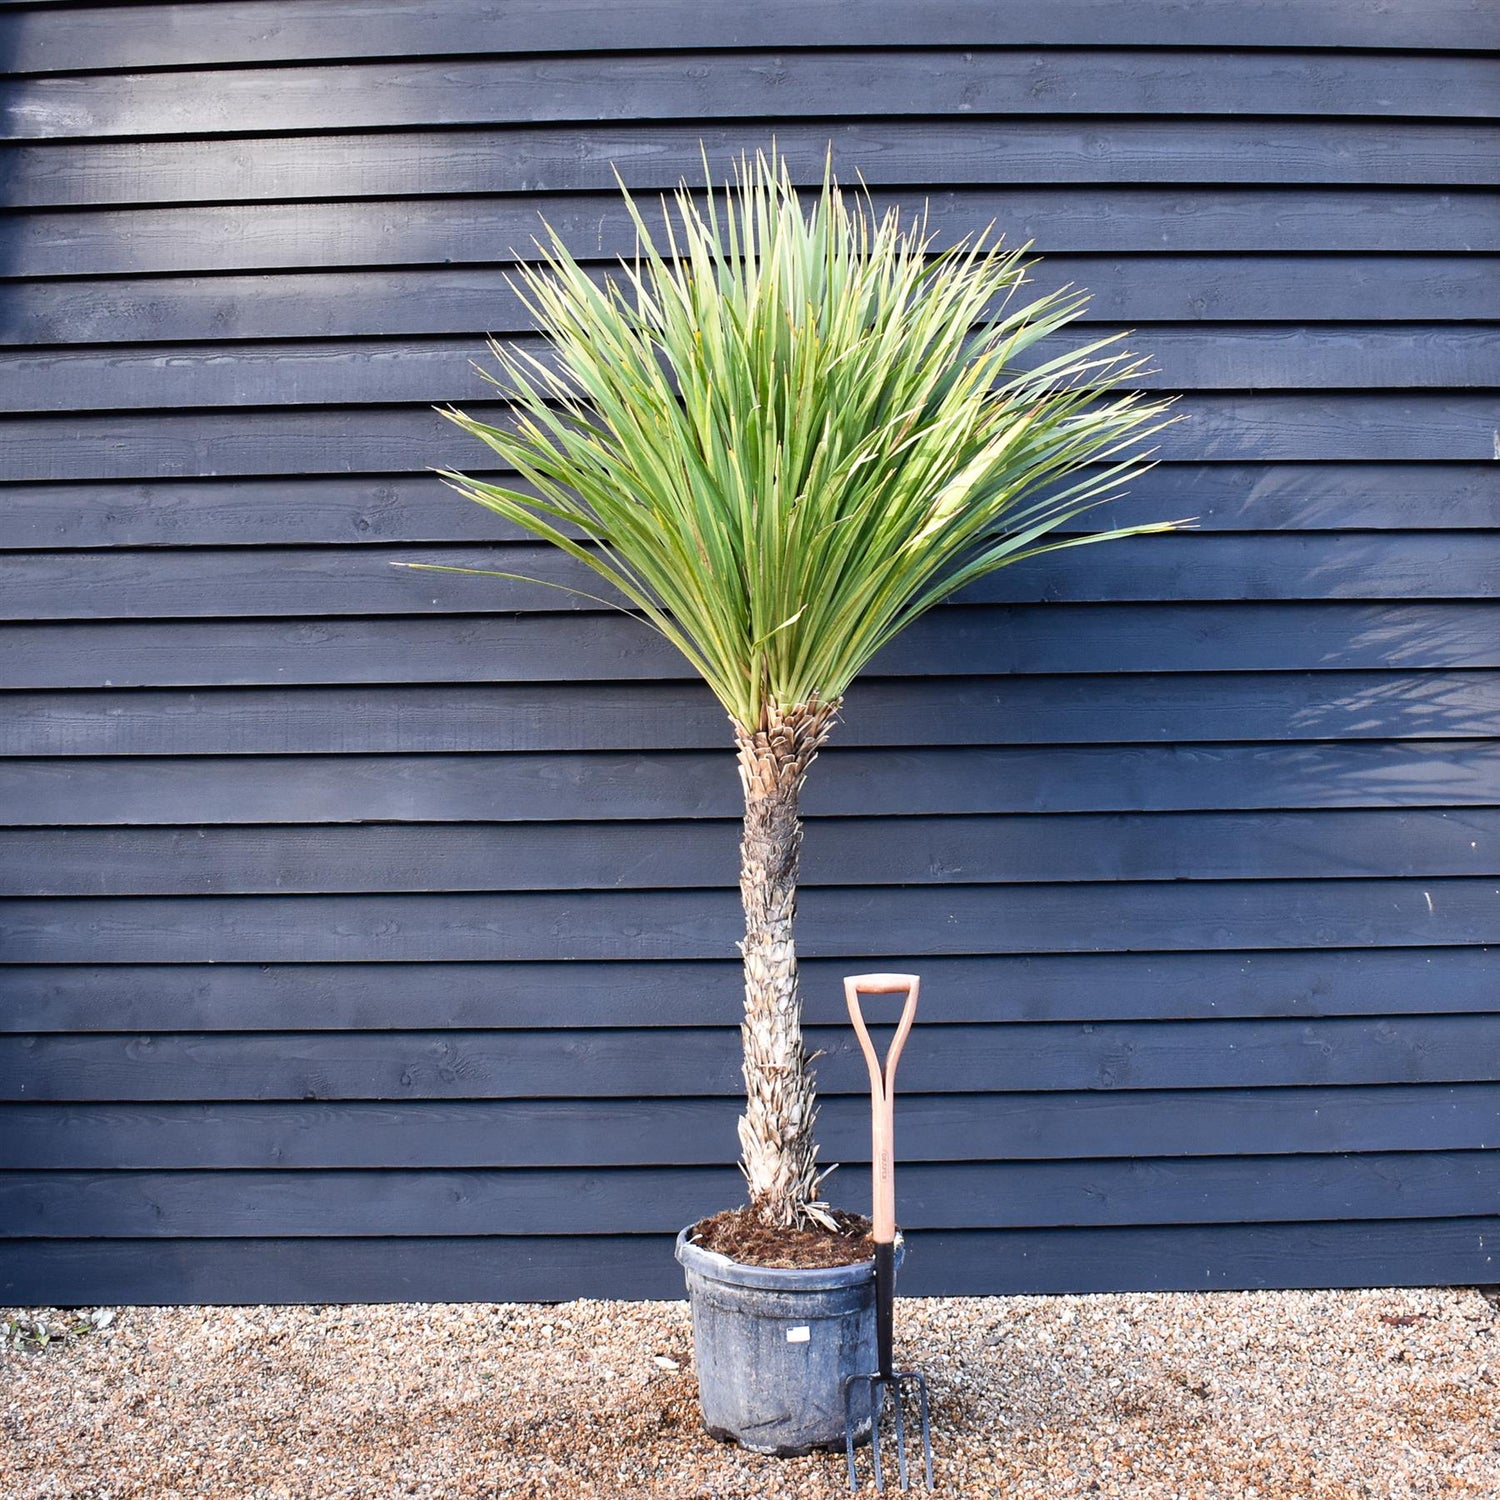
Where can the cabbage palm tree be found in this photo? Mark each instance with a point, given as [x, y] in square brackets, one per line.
[782, 433]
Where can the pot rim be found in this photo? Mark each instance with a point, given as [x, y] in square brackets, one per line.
[713, 1266]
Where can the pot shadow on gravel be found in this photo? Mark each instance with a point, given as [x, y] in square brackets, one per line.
[662, 1420]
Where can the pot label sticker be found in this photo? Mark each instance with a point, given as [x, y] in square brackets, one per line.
[799, 1335]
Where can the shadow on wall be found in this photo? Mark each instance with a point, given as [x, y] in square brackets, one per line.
[1397, 623]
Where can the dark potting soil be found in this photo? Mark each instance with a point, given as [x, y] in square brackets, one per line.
[741, 1236]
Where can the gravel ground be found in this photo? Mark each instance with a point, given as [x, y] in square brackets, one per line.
[1255, 1396]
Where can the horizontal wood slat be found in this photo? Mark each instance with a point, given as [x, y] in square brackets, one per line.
[373, 509]
[1129, 708]
[507, 90]
[439, 232]
[957, 152]
[41, 38]
[365, 303]
[1038, 1261]
[703, 853]
[914, 923]
[1012, 1195]
[376, 373]
[621, 1063]
[978, 641]
[573, 994]
[276, 581]
[1293, 427]
[1399, 1252]
[613, 1133]
[532, 787]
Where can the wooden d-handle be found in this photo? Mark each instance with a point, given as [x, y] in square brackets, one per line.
[882, 1090]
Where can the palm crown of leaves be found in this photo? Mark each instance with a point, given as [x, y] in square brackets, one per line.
[783, 435]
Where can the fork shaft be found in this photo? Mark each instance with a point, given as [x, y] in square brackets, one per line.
[885, 1304]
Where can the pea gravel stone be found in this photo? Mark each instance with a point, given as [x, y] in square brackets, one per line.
[1363, 1395]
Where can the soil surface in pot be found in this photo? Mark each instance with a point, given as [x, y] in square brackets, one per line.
[738, 1234]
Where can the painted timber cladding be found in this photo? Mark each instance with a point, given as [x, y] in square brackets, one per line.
[370, 934]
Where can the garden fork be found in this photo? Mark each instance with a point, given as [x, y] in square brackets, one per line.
[886, 1379]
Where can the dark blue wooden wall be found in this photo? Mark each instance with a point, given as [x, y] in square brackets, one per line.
[370, 933]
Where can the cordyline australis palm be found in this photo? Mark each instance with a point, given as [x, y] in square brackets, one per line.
[783, 435]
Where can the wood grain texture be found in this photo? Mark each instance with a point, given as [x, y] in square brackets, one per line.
[375, 373]
[377, 509]
[608, 1134]
[105, 310]
[836, 922]
[965, 642]
[979, 850]
[253, 441]
[260, 1271]
[600, 787]
[309, 583]
[980, 989]
[1128, 708]
[621, 1063]
[973, 153]
[43, 39]
[969, 1196]
[759, 85]
[437, 232]
[1400, 1252]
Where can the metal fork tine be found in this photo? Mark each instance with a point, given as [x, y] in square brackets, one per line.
[876, 1389]
[900, 1435]
[921, 1381]
[849, 1431]
[851, 1425]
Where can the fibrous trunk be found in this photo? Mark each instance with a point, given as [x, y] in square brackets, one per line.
[776, 1132]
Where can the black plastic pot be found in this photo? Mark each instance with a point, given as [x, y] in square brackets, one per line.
[773, 1348]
